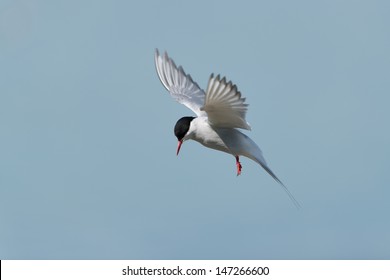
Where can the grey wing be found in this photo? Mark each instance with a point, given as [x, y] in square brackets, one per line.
[180, 85]
[224, 105]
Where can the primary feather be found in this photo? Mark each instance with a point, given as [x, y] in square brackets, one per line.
[224, 105]
[180, 85]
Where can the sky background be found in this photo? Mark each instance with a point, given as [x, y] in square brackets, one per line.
[88, 168]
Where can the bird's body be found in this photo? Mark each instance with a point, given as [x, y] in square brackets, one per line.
[228, 140]
[220, 114]
[202, 132]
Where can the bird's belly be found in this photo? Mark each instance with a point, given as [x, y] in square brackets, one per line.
[216, 145]
[210, 139]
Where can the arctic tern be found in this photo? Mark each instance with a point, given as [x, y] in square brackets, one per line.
[220, 112]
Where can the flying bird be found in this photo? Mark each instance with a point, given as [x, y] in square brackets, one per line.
[220, 113]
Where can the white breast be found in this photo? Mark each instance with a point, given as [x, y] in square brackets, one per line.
[201, 131]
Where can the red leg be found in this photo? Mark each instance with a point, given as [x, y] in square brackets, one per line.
[239, 166]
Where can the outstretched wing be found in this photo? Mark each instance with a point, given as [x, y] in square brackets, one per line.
[224, 105]
[180, 85]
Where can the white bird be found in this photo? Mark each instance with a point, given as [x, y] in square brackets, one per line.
[220, 113]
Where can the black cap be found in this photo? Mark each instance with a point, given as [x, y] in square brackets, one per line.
[182, 126]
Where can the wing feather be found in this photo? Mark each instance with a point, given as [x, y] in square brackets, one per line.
[180, 85]
[224, 105]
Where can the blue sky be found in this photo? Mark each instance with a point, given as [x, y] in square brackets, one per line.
[88, 167]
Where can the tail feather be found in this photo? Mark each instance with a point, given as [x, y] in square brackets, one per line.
[290, 195]
[257, 155]
[240, 144]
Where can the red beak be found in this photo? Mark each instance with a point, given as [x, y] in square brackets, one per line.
[178, 146]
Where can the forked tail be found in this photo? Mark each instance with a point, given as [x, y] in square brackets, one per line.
[269, 171]
[257, 156]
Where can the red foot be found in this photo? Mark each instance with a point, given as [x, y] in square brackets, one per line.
[239, 166]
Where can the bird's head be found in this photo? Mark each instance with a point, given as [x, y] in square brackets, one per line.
[181, 129]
